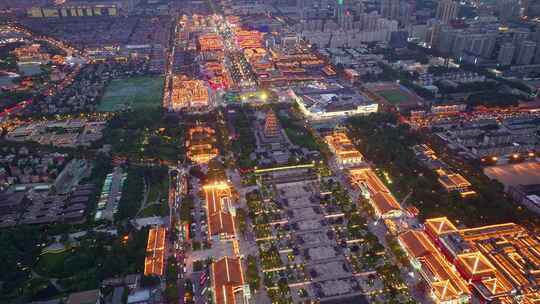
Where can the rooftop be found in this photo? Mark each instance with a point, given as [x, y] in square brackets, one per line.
[318, 100]
[440, 226]
[445, 284]
[228, 280]
[385, 203]
[343, 148]
[219, 203]
[155, 251]
[497, 260]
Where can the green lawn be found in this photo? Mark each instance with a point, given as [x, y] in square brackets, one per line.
[155, 210]
[137, 91]
[158, 191]
[394, 96]
[301, 138]
[52, 264]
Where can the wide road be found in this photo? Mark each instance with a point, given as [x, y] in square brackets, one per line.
[175, 194]
[167, 87]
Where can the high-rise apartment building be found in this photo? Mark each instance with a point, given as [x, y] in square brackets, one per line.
[397, 10]
[457, 42]
[520, 35]
[508, 10]
[506, 53]
[524, 8]
[340, 12]
[537, 56]
[301, 6]
[447, 10]
[526, 53]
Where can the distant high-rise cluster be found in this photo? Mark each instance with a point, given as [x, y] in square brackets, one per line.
[508, 10]
[520, 47]
[366, 28]
[483, 40]
[399, 10]
[82, 8]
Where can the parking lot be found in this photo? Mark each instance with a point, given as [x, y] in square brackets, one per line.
[515, 174]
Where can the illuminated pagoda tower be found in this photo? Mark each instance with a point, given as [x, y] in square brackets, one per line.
[271, 125]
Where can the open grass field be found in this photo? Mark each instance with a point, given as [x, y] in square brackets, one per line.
[51, 264]
[394, 96]
[137, 92]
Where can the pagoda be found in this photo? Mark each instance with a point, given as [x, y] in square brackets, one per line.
[271, 125]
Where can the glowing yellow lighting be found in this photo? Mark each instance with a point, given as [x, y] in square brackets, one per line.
[264, 96]
[283, 168]
[220, 185]
[494, 158]
[515, 155]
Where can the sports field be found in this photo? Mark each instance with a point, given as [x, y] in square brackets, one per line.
[394, 96]
[136, 92]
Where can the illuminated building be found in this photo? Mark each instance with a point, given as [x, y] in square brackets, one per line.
[228, 282]
[155, 251]
[448, 108]
[259, 60]
[271, 125]
[254, 53]
[448, 179]
[261, 65]
[214, 71]
[30, 53]
[189, 94]
[233, 20]
[249, 39]
[343, 149]
[214, 67]
[329, 71]
[383, 202]
[200, 145]
[211, 42]
[332, 104]
[445, 284]
[453, 181]
[500, 263]
[220, 211]
[218, 83]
